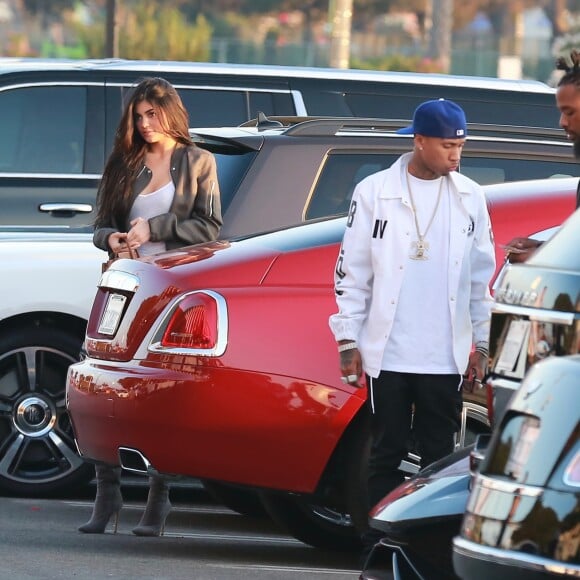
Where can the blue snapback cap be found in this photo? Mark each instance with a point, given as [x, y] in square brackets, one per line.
[438, 118]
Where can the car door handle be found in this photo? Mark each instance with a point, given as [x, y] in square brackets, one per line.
[72, 208]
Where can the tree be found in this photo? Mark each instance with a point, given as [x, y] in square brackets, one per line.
[151, 31]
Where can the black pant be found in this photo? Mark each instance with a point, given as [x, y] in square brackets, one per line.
[425, 409]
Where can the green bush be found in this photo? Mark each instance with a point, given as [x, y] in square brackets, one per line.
[152, 32]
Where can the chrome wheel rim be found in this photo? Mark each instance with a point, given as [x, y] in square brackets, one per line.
[36, 441]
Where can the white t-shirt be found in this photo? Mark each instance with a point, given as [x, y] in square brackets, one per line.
[421, 338]
[149, 205]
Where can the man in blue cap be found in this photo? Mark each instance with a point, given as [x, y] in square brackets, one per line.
[412, 290]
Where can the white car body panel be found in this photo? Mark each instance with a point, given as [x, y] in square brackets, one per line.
[48, 272]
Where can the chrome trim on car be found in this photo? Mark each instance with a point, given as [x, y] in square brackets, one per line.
[535, 314]
[299, 103]
[567, 479]
[211, 87]
[473, 411]
[133, 460]
[76, 207]
[222, 330]
[44, 175]
[52, 84]
[503, 383]
[117, 280]
[516, 559]
[495, 484]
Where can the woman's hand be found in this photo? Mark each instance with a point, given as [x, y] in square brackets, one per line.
[139, 233]
[118, 242]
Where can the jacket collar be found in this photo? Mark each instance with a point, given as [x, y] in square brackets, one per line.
[394, 184]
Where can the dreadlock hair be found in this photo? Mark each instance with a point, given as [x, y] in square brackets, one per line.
[129, 148]
[571, 69]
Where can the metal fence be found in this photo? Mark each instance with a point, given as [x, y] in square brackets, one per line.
[469, 56]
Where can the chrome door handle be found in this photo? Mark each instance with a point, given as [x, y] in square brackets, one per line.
[66, 207]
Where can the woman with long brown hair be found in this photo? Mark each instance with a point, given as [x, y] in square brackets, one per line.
[159, 191]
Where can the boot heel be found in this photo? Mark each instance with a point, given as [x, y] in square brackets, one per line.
[108, 501]
[156, 511]
[115, 522]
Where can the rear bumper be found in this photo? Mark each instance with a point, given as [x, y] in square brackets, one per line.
[473, 561]
[209, 422]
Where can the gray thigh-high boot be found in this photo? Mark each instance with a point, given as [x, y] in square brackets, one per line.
[157, 509]
[108, 501]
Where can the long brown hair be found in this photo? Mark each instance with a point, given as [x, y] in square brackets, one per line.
[129, 148]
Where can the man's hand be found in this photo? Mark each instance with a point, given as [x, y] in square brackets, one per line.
[520, 249]
[475, 371]
[350, 365]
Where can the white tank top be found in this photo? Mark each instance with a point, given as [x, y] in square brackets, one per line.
[149, 205]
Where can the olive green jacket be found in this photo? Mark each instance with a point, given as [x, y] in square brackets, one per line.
[195, 212]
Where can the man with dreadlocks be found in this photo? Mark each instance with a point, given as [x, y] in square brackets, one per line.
[568, 103]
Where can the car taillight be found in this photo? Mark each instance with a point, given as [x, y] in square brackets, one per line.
[193, 324]
[572, 472]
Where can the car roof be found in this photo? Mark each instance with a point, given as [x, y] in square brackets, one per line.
[14, 64]
[357, 126]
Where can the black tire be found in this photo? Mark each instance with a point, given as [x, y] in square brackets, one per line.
[238, 499]
[38, 456]
[315, 525]
[330, 527]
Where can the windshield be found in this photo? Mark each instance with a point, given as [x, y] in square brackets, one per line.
[561, 252]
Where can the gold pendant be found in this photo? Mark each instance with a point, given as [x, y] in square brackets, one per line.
[419, 250]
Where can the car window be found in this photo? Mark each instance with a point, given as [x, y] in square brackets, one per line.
[43, 129]
[487, 170]
[480, 106]
[221, 108]
[214, 108]
[338, 178]
[271, 103]
[232, 164]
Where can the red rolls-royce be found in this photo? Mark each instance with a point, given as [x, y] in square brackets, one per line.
[216, 362]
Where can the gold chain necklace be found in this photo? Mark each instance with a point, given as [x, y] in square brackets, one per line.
[420, 247]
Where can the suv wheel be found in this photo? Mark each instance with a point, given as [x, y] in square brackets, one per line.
[37, 451]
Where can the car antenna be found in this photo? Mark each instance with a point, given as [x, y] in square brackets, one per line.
[264, 123]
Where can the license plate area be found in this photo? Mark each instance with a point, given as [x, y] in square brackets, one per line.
[112, 314]
[512, 353]
[518, 341]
